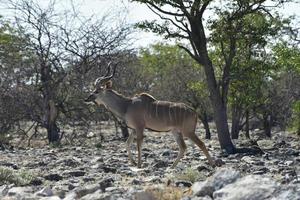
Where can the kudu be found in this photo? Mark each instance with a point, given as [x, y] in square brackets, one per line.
[145, 112]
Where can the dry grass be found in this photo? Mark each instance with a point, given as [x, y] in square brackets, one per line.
[189, 174]
[165, 193]
[10, 176]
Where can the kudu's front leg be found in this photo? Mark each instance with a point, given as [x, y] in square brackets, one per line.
[139, 140]
[129, 143]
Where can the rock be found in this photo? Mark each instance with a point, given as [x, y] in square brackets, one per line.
[166, 153]
[153, 179]
[221, 178]
[292, 152]
[82, 191]
[219, 162]
[88, 179]
[105, 183]
[144, 196]
[36, 181]
[97, 159]
[50, 198]
[90, 134]
[289, 163]
[19, 191]
[71, 186]
[202, 168]
[290, 193]
[112, 190]
[251, 187]
[182, 183]
[98, 195]
[160, 164]
[252, 161]
[202, 198]
[109, 169]
[45, 192]
[9, 165]
[266, 144]
[261, 170]
[136, 182]
[280, 143]
[203, 188]
[53, 177]
[77, 173]
[3, 190]
[71, 196]
[95, 195]
[70, 162]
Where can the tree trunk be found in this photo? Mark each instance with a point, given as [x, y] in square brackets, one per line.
[222, 129]
[247, 124]
[267, 124]
[236, 118]
[50, 108]
[53, 133]
[204, 120]
[199, 44]
[219, 110]
[52, 128]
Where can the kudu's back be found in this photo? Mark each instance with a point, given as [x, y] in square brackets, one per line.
[166, 116]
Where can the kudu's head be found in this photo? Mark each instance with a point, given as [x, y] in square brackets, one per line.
[100, 86]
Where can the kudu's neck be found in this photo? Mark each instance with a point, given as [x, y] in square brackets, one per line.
[116, 103]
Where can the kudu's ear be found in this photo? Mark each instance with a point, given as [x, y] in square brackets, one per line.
[108, 84]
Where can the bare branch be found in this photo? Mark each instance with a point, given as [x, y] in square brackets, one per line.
[150, 3]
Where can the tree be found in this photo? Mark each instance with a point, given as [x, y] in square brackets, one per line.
[15, 72]
[185, 20]
[169, 74]
[68, 52]
[286, 85]
[248, 71]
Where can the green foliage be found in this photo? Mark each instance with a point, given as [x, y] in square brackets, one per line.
[172, 75]
[98, 145]
[248, 73]
[200, 89]
[295, 121]
[168, 68]
[287, 57]
[19, 178]
[55, 145]
[15, 70]
[164, 193]
[190, 174]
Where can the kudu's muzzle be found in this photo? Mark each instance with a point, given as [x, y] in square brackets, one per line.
[90, 98]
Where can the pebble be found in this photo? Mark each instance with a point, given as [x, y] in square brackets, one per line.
[84, 172]
[53, 177]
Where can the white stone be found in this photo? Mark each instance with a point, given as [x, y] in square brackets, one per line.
[221, 178]
[251, 187]
[45, 192]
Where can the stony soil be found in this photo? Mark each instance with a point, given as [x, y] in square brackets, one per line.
[99, 169]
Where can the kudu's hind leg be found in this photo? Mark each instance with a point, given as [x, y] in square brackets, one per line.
[129, 143]
[182, 146]
[202, 146]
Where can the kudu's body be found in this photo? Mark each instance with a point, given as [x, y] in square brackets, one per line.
[145, 112]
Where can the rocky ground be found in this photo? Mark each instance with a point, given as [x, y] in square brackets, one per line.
[99, 169]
